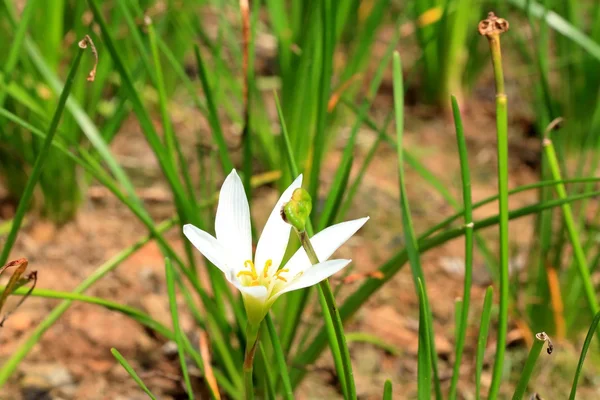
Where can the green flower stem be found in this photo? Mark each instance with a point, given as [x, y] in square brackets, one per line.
[335, 316]
[251, 345]
[492, 28]
[534, 353]
[578, 251]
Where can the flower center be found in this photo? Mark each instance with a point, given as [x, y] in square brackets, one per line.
[266, 280]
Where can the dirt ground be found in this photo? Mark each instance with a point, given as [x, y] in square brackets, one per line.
[73, 361]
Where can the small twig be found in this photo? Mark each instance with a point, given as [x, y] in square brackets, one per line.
[83, 43]
[552, 125]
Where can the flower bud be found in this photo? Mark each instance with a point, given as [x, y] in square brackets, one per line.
[296, 211]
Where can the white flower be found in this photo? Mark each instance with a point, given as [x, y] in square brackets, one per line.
[262, 281]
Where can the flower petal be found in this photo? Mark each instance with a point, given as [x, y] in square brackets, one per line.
[276, 233]
[208, 246]
[325, 244]
[315, 274]
[232, 223]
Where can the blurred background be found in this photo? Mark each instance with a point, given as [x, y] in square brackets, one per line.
[183, 92]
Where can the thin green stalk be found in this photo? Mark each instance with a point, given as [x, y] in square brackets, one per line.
[424, 356]
[170, 273]
[18, 355]
[412, 246]
[387, 390]
[534, 353]
[41, 158]
[16, 47]
[268, 378]
[299, 303]
[468, 215]
[251, 345]
[132, 372]
[492, 28]
[335, 317]
[571, 226]
[131, 312]
[396, 263]
[327, 34]
[484, 326]
[213, 117]
[584, 350]
[362, 337]
[288, 393]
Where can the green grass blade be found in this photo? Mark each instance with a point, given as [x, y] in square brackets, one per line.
[560, 25]
[177, 328]
[397, 261]
[387, 390]
[572, 231]
[534, 353]
[16, 46]
[328, 17]
[132, 372]
[84, 121]
[484, 326]
[412, 246]
[268, 376]
[333, 321]
[584, 350]
[468, 218]
[133, 313]
[288, 393]
[424, 364]
[334, 197]
[213, 117]
[19, 354]
[39, 162]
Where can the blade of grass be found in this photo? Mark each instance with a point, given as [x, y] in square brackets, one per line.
[177, 328]
[534, 353]
[328, 18]
[387, 390]
[132, 372]
[333, 321]
[17, 356]
[424, 363]
[213, 117]
[484, 326]
[288, 393]
[397, 261]
[468, 218]
[331, 207]
[133, 313]
[586, 345]
[16, 47]
[560, 25]
[412, 246]
[572, 231]
[41, 158]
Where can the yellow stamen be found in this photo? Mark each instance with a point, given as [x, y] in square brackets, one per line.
[246, 273]
[254, 283]
[278, 274]
[250, 264]
[267, 265]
